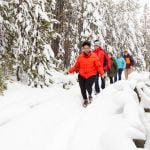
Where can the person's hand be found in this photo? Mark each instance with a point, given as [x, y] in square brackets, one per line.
[131, 67]
[103, 76]
[66, 73]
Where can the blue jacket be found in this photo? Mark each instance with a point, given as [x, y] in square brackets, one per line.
[121, 63]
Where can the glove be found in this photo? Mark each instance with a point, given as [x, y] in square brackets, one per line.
[66, 73]
[103, 76]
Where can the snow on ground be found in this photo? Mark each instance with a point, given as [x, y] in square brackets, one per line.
[54, 119]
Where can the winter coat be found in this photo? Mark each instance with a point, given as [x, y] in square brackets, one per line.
[103, 58]
[129, 61]
[113, 69]
[88, 65]
[121, 63]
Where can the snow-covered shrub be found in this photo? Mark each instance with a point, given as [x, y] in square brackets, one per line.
[3, 85]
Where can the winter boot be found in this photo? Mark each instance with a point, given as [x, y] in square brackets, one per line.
[90, 99]
[96, 93]
[85, 103]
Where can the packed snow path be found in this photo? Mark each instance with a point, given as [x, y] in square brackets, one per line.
[54, 119]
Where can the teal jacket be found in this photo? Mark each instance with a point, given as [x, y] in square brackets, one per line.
[121, 63]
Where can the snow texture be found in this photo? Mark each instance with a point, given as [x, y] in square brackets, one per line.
[53, 118]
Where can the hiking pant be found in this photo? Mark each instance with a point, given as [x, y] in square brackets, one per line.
[118, 75]
[127, 72]
[97, 88]
[102, 83]
[111, 80]
[86, 85]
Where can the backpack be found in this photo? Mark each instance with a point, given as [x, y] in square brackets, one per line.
[129, 60]
[106, 62]
[132, 60]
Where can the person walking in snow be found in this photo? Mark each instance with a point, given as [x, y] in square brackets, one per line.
[129, 63]
[121, 64]
[88, 65]
[104, 60]
[112, 71]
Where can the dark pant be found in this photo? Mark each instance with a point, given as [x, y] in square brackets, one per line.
[102, 83]
[97, 88]
[86, 85]
[111, 80]
[118, 75]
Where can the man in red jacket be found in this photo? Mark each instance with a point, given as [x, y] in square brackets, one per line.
[88, 65]
[105, 62]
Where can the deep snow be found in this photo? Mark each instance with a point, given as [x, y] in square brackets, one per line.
[54, 119]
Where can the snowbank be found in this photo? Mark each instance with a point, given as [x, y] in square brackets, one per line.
[53, 118]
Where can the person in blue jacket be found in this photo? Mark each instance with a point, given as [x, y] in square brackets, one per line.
[121, 66]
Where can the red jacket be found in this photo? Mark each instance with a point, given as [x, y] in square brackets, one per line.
[103, 55]
[88, 65]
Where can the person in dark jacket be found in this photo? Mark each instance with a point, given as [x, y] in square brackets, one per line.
[113, 68]
[129, 63]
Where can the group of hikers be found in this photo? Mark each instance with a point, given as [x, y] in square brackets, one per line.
[91, 64]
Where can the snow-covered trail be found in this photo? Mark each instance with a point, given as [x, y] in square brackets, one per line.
[59, 122]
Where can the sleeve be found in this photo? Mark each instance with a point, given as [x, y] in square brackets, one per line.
[75, 66]
[116, 61]
[98, 66]
[108, 64]
[115, 65]
[124, 63]
[100, 56]
[132, 60]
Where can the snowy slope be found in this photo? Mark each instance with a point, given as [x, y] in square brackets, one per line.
[54, 119]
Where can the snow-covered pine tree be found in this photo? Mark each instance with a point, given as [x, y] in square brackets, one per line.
[3, 67]
[3, 85]
[131, 35]
[33, 28]
[146, 31]
[117, 25]
[80, 17]
[28, 30]
[65, 45]
[7, 38]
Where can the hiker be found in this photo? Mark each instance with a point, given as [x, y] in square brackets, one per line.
[129, 63]
[121, 64]
[88, 65]
[104, 60]
[112, 71]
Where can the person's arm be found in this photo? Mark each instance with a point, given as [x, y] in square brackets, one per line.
[115, 65]
[108, 64]
[75, 66]
[100, 56]
[124, 63]
[132, 60]
[98, 66]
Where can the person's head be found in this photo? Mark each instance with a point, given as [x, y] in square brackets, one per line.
[86, 47]
[125, 52]
[110, 55]
[118, 55]
[97, 44]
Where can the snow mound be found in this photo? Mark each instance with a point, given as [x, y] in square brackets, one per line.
[53, 118]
